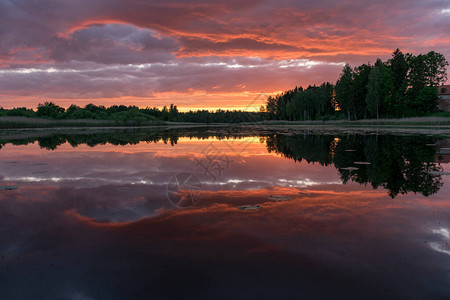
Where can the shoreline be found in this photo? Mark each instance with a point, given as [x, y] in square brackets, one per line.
[244, 129]
[50, 123]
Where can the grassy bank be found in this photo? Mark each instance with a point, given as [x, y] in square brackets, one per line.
[7, 122]
[419, 121]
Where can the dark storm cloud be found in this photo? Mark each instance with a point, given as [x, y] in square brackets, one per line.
[112, 44]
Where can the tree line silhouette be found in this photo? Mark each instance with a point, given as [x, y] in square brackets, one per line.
[405, 85]
[134, 115]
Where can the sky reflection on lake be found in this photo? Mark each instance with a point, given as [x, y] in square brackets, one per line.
[96, 222]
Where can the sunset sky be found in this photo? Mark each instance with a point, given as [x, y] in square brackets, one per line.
[199, 54]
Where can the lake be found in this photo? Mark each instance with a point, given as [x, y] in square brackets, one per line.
[224, 213]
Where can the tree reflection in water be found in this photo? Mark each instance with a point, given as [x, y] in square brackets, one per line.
[400, 164]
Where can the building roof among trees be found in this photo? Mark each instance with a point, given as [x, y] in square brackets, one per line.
[444, 90]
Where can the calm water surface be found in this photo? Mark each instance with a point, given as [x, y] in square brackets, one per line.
[138, 215]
